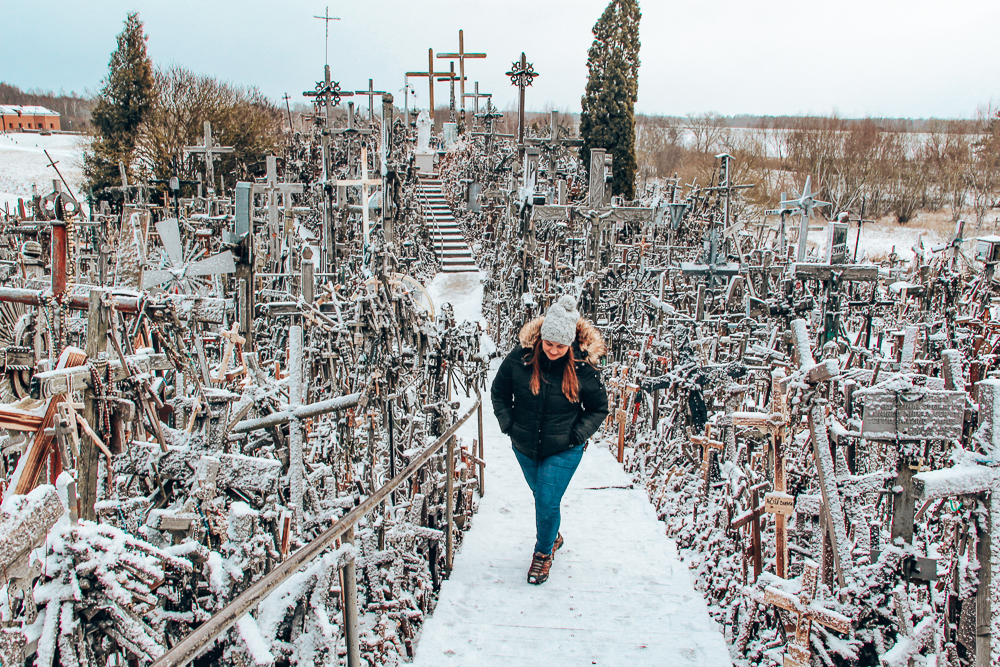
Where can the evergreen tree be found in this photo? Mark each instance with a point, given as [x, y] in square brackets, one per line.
[123, 104]
[608, 116]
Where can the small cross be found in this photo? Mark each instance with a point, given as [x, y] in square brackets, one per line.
[807, 610]
[370, 94]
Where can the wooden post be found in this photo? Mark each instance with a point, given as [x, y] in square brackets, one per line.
[984, 606]
[450, 504]
[97, 342]
[482, 457]
[351, 607]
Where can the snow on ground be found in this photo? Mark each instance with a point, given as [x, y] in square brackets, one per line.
[23, 164]
[464, 291]
[618, 594]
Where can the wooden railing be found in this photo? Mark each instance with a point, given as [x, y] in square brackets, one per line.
[203, 637]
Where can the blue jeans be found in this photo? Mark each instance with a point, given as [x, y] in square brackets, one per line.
[548, 480]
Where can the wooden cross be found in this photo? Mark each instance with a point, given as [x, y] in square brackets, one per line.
[807, 610]
[233, 338]
[833, 509]
[752, 517]
[710, 447]
[911, 640]
[363, 182]
[370, 94]
[431, 75]
[450, 77]
[475, 97]
[210, 151]
[461, 56]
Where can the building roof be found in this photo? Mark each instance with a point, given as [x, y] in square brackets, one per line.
[25, 110]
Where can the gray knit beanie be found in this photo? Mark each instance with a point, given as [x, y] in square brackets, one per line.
[560, 321]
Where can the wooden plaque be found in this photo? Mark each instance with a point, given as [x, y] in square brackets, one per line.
[913, 415]
[779, 503]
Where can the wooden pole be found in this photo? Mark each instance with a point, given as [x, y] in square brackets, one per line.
[97, 342]
[450, 505]
[351, 607]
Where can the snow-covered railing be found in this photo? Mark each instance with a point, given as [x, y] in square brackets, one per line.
[202, 638]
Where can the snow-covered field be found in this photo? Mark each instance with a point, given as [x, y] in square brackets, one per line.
[23, 164]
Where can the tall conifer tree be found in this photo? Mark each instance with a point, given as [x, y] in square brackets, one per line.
[608, 116]
[122, 106]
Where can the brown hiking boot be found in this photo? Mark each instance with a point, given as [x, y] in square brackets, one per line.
[558, 545]
[539, 570]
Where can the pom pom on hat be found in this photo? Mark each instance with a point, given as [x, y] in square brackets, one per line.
[560, 321]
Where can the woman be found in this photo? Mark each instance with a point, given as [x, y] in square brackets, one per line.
[549, 399]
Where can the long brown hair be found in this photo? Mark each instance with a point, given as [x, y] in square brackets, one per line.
[570, 385]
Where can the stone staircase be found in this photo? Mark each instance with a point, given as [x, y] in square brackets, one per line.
[449, 243]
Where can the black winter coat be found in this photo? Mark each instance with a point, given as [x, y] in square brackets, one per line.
[548, 423]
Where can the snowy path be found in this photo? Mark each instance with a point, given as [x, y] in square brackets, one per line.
[617, 595]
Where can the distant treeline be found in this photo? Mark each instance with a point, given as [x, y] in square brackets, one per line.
[75, 109]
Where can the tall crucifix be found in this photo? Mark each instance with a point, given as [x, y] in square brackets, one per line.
[211, 151]
[430, 74]
[461, 56]
[370, 94]
[521, 74]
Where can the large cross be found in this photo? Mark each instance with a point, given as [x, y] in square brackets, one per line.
[272, 188]
[363, 182]
[431, 75]
[211, 151]
[461, 56]
[450, 77]
[521, 74]
[370, 94]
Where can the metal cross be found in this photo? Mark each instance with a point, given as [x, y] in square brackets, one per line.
[804, 204]
[327, 91]
[461, 56]
[326, 18]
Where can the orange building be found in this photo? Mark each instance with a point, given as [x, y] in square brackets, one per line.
[18, 118]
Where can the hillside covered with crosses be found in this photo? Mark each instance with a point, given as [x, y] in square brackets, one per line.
[247, 351]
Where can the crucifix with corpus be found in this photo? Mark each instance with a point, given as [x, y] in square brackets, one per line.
[431, 75]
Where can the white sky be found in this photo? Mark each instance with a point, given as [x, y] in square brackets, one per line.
[907, 58]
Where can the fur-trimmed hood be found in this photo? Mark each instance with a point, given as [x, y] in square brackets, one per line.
[588, 338]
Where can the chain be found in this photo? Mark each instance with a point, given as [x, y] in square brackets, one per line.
[97, 369]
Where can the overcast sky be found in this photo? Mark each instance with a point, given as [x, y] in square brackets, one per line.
[906, 58]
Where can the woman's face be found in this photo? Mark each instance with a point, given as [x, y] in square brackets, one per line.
[554, 350]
